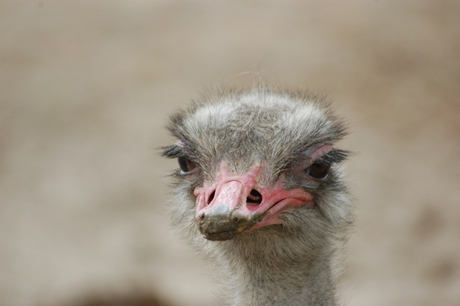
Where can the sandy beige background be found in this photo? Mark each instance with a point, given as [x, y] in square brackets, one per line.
[86, 87]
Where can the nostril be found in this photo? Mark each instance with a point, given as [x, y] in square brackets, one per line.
[211, 197]
[254, 197]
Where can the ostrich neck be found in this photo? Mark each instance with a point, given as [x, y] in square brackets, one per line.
[257, 279]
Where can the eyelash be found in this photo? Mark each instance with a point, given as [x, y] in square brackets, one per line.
[173, 151]
[334, 156]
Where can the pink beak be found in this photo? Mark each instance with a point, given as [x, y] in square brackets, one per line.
[236, 203]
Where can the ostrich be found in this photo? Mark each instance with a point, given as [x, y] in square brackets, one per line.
[260, 191]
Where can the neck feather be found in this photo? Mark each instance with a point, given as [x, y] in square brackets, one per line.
[268, 274]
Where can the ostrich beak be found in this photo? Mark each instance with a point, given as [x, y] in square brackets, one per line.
[236, 203]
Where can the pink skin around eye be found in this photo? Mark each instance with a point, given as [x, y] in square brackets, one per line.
[180, 144]
[320, 151]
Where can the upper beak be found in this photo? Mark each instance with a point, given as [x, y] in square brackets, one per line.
[227, 215]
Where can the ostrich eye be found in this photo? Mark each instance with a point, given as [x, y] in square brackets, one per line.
[185, 164]
[318, 170]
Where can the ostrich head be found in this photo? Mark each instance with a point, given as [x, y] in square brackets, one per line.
[259, 182]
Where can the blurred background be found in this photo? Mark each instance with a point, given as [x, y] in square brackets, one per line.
[86, 88]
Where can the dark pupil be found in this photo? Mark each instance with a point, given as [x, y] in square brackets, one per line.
[318, 170]
[185, 165]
